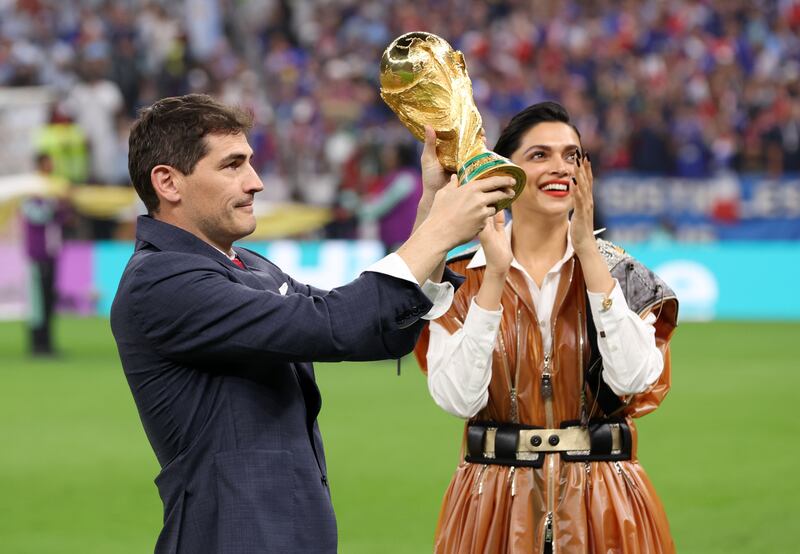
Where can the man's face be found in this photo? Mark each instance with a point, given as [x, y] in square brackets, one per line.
[217, 197]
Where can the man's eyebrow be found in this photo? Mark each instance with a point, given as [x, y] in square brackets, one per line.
[230, 158]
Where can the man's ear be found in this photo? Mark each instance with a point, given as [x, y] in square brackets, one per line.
[164, 179]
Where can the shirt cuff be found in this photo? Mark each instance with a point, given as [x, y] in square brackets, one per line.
[481, 325]
[441, 294]
[605, 319]
[393, 266]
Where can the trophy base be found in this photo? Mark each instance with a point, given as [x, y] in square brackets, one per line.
[488, 164]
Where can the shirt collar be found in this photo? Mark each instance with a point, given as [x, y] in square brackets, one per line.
[165, 236]
[231, 255]
[479, 259]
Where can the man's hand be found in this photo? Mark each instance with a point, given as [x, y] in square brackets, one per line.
[456, 216]
[459, 213]
[434, 176]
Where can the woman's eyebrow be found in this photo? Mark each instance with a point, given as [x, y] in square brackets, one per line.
[538, 147]
[550, 148]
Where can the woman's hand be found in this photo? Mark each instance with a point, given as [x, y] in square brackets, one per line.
[496, 245]
[582, 226]
[595, 272]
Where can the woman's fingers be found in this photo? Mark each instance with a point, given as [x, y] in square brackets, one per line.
[588, 169]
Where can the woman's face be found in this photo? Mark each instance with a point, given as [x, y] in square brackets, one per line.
[547, 152]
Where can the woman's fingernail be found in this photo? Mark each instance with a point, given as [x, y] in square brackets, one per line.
[588, 158]
[574, 181]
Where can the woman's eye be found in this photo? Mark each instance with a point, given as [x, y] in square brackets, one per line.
[537, 155]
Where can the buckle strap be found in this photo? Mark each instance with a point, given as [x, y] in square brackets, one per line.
[520, 445]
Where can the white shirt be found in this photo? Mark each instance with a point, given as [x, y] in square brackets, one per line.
[441, 294]
[460, 365]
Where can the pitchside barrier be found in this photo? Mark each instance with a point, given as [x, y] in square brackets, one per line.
[723, 280]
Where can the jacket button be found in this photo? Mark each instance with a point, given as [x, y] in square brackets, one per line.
[553, 440]
[536, 440]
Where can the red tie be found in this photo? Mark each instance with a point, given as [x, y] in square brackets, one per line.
[238, 262]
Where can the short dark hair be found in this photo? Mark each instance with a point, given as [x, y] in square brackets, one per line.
[511, 136]
[172, 132]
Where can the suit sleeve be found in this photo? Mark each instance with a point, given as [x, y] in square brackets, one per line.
[191, 314]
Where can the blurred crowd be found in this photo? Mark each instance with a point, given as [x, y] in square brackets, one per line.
[684, 87]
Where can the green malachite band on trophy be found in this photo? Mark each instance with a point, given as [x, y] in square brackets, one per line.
[483, 168]
[472, 160]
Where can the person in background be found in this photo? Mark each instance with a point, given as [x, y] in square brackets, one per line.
[553, 344]
[42, 218]
[392, 203]
[64, 142]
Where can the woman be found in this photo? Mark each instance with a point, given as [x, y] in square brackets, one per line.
[554, 343]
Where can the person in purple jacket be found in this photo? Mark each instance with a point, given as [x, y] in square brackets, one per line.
[393, 202]
[42, 219]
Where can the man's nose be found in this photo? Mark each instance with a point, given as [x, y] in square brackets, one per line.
[253, 182]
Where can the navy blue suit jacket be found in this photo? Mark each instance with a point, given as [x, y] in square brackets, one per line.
[219, 364]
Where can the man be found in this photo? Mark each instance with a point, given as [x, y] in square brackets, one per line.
[217, 342]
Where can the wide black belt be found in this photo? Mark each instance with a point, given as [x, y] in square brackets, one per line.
[512, 444]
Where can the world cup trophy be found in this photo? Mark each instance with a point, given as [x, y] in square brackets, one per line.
[425, 82]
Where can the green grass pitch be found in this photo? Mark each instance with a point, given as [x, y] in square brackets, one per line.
[76, 470]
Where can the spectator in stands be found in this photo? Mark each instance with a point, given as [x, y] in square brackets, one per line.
[95, 103]
[392, 202]
[622, 72]
[64, 142]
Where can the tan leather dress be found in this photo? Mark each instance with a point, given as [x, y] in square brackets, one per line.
[593, 506]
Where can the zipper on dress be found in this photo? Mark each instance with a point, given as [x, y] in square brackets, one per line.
[547, 395]
[547, 386]
[548, 534]
[624, 475]
[514, 397]
[512, 384]
[581, 369]
[480, 479]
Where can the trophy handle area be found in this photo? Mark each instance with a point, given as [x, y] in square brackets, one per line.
[488, 164]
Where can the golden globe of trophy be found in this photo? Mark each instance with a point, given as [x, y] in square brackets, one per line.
[425, 82]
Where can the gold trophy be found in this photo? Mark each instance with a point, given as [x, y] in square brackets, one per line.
[425, 82]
